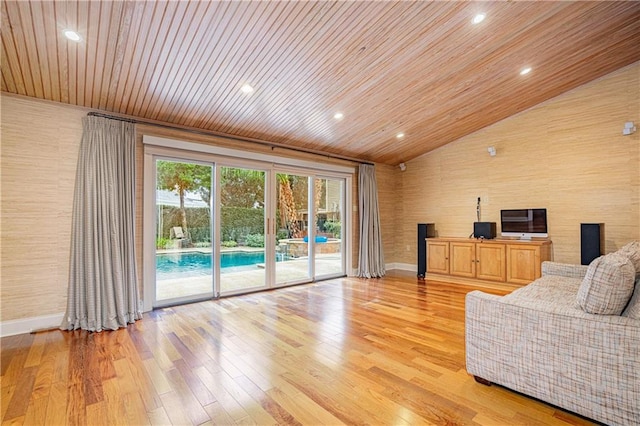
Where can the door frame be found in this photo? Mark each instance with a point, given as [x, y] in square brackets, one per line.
[151, 155]
[311, 233]
[343, 215]
[154, 147]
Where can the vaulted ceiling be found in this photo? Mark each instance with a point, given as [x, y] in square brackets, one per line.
[418, 68]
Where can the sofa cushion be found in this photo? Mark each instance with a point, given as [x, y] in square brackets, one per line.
[607, 285]
[633, 308]
[632, 251]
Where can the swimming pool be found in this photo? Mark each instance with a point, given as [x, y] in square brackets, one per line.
[196, 264]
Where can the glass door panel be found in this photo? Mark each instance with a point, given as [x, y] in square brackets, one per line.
[183, 260]
[243, 260]
[328, 205]
[292, 240]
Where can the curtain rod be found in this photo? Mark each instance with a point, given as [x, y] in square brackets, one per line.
[227, 136]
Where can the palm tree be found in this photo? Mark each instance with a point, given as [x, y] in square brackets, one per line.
[317, 192]
[288, 211]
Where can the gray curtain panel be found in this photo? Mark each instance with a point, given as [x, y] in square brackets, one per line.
[371, 258]
[103, 289]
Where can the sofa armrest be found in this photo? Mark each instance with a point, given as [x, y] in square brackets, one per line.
[564, 269]
[585, 363]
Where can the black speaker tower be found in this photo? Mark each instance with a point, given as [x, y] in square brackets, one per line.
[591, 241]
[425, 230]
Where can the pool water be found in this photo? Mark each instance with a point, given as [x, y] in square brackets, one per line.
[196, 264]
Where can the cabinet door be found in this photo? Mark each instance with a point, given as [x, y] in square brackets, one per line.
[437, 257]
[490, 263]
[463, 259]
[524, 263]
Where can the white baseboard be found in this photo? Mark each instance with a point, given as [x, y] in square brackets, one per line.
[27, 325]
[390, 266]
[401, 266]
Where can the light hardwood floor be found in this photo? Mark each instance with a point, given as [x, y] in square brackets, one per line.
[380, 351]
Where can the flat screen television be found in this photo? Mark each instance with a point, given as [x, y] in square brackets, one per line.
[524, 223]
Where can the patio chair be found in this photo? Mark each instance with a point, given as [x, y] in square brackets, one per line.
[177, 233]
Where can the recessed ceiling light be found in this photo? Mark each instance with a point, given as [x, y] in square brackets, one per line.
[525, 71]
[338, 116]
[246, 88]
[478, 18]
[400, 135]
[72, 35]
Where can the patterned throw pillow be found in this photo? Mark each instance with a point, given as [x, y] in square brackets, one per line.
[607, 285]
[633, 308]
[632, 251]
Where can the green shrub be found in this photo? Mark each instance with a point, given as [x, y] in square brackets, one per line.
[161, 243]
[200, 234]
[237, 222]
[229, 244]
[333, 228]
[254, 240]
[282, 234]
[197, 222]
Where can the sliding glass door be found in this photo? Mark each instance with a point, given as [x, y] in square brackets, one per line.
[328, 208]
[243, 259]
[216, 226]
[292, 234]
[183, 254]
[309, 239]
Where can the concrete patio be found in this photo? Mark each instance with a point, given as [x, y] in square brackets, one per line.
[250, 278]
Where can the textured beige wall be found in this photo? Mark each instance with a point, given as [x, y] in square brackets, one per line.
[40, 143]
[567, 155]
[389, 201]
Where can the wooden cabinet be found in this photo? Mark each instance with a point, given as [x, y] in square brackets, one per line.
[498, 260]
[438, 257]
[477, 260]
[491, 262]
[462, 259]
[525, 262]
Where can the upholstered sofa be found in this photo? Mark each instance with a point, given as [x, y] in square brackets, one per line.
[544, 340]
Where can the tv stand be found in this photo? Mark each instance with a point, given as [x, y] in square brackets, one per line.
[510, 261]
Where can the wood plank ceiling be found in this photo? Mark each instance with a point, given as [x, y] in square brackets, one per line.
[420, 68]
